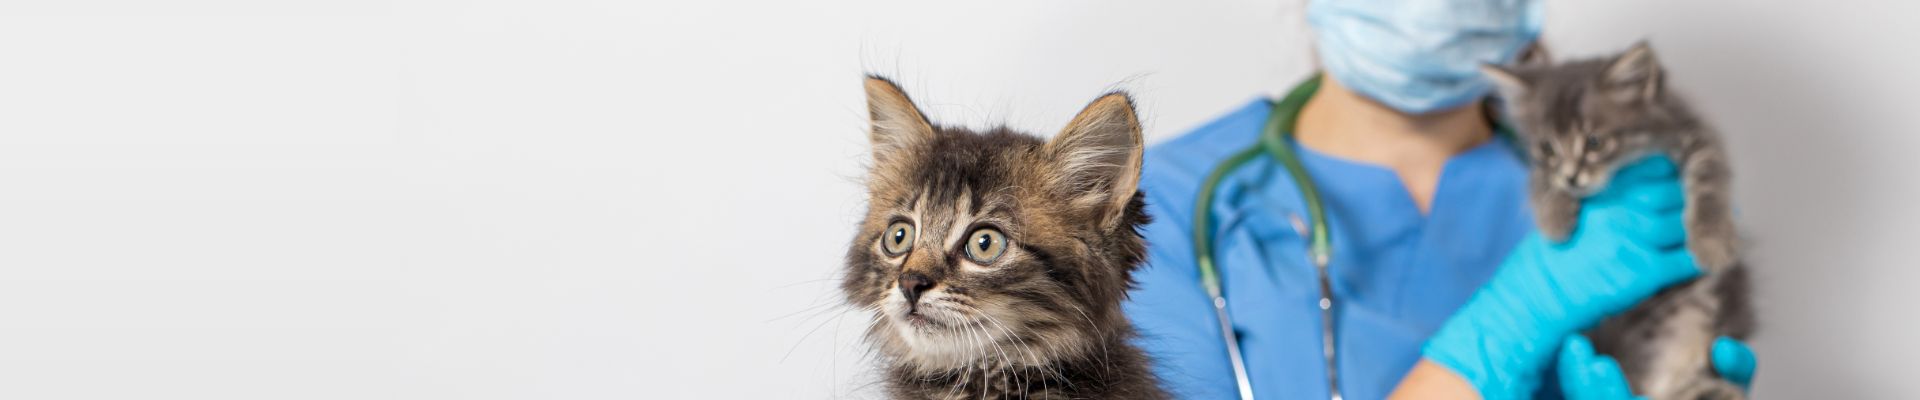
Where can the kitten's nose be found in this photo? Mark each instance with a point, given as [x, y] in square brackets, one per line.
[912, 284]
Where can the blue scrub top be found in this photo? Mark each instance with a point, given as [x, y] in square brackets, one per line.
[1397, 274]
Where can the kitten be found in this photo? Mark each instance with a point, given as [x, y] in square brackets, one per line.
[994, 263]
[1581, 120]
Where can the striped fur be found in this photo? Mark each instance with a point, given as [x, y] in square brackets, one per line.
[1043, 320]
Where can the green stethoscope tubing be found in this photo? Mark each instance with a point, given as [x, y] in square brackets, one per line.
[1273, 142]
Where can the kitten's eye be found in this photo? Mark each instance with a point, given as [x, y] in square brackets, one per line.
[985, 245]
[1593, 142]
[897, 239]
[1546, 149]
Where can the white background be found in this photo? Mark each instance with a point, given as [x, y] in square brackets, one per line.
[616, 199]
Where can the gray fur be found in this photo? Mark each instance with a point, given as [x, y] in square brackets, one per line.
[1580, 121]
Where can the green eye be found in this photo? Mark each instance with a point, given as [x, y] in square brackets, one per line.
[897, 239]
[985, 245]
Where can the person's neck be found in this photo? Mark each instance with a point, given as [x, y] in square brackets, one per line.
[1339, 122]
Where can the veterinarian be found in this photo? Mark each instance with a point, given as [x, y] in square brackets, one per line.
[1368, 236]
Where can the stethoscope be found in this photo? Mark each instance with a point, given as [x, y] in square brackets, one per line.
[1273, 142]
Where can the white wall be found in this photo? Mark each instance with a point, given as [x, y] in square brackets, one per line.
[612, 199]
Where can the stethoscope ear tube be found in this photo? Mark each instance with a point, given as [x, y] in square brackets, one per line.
[1273, 142]
[1233, 348]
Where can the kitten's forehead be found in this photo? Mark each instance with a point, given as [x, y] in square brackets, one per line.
[962, 168]
[1566, 97]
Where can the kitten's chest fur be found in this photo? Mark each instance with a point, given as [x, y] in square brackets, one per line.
[1118, 372]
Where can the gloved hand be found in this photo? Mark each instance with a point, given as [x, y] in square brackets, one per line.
[1585, 375]
[1629, 244]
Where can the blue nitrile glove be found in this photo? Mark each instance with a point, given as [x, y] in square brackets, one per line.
[1585, 375]
[1734, 361]
[1629, 244]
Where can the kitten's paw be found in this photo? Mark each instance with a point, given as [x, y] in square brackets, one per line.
[1558, 231]
[1709, 388]
[1715, 253]
[1557, 217]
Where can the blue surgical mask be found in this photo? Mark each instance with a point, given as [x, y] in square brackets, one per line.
[1420, 56]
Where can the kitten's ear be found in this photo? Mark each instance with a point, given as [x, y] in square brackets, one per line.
[1504, 79]
[1535, 55]
[1096, 159]
[895, 124]
[1509, 80]
[1634, 76]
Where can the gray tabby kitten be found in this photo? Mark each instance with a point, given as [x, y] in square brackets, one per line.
[1581, 120]
[994, 262]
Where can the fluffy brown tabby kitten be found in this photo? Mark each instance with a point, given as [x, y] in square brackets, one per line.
[1582, 120]
[994, 263]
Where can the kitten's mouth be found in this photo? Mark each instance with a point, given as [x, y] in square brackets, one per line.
[919, 320]
[928, 317]
[1579, 189]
